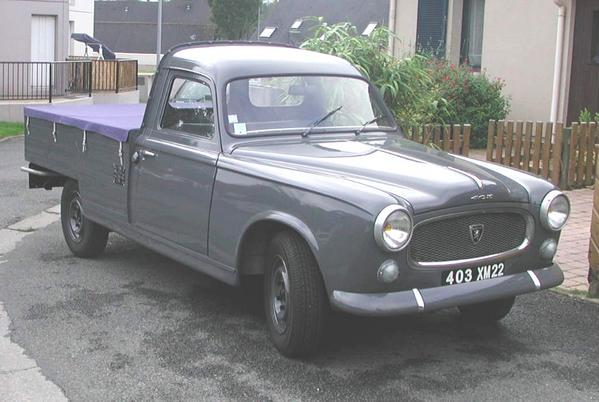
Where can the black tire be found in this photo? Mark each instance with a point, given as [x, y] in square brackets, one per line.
[297, 321]
[487, 312]
[84, 237]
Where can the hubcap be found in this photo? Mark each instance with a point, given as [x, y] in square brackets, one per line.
[279, 294]
[75, 218]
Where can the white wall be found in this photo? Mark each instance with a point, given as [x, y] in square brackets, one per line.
[81, 12]
[406, 22]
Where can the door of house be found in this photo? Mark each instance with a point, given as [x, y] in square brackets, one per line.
[43, 48]
[584, 80]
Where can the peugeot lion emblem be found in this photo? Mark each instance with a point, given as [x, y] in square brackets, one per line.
[476, 232]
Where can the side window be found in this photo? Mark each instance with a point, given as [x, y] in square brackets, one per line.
[189, 108]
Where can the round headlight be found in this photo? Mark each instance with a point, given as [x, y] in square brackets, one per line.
[555, 210]
[393, 228]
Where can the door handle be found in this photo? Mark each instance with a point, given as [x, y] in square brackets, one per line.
[141, 155]
[147, 154]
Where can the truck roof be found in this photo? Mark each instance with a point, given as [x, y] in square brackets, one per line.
[225, 61]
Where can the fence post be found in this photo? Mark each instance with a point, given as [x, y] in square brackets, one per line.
[117, 76]
[594, 241]
[136, 75]
[89, 78]
[50, 84]
[565, 159]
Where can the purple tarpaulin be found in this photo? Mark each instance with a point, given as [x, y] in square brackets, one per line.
[113, 121]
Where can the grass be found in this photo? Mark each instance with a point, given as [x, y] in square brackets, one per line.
[9, 129]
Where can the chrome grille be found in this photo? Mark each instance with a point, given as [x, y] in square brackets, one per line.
[449, 239]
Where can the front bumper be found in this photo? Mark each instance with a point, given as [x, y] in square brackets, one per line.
[429, 299]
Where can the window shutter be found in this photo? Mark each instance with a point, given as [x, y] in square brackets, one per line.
[432, 27]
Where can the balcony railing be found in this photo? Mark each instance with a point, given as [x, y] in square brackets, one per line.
[47, 80]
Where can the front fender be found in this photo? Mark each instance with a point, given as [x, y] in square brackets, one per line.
[286, 219]
[339, 234]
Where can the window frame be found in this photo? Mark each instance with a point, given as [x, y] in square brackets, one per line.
[174, 75]
[466, 30]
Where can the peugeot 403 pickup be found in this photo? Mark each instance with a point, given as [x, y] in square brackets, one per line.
[264, 161]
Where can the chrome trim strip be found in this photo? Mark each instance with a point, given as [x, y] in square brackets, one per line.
[478, 181]
[530, 227]
[535, 279]
[38, 172]
[419, 299]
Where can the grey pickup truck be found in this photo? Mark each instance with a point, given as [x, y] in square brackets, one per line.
[263, 161]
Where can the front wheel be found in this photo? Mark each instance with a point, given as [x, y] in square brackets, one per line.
[487, 312]
[294, 296]
[84, 237]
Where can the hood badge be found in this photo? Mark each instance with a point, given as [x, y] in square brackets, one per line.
[476, 232]
[482, 197]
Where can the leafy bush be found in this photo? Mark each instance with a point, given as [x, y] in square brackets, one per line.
[586, 116]
[419, 90]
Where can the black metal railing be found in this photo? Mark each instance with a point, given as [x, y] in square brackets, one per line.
[44, 80]
[47, 80]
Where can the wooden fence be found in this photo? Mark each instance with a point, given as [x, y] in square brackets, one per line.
[451, 138]
[114, 75]
[565, 156]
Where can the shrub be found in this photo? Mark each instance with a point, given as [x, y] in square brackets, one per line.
[586, 116]
[419, 90]
[471, 98]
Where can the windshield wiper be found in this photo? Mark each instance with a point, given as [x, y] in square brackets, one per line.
[323, 118]
[377, 118]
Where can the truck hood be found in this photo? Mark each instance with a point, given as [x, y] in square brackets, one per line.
[422, 176]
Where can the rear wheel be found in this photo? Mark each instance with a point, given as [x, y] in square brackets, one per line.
[84, 237]
[294, 296]
[486, 312]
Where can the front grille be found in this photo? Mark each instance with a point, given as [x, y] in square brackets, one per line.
[450, 239]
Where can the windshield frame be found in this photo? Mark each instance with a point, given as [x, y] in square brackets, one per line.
[318, 129]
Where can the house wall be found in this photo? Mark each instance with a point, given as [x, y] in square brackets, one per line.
[406, 17]
[81, 13]
[519, 41]
[15, 27]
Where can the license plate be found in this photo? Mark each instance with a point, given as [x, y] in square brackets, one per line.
[465, 275]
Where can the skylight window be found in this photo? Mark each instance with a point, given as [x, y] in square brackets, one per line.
[368, 30]
[297, 24]
[268, 32]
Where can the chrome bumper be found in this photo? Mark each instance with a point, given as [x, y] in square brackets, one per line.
[429, 299]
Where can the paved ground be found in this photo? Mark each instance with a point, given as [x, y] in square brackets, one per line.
[134, 325]
[573, 249]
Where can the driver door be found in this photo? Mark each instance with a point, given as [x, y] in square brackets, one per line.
[174, 166]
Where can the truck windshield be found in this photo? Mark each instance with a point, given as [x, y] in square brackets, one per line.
[288, 104]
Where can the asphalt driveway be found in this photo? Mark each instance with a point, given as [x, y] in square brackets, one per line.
[133, 325]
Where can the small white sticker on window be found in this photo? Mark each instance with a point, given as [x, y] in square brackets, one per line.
[239, 128]
[233, 119]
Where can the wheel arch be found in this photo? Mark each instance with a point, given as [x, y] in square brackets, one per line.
[257, 234]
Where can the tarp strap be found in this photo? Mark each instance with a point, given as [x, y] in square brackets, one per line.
[84, 143]
[27, 125]
[54, 131]
[121, 152]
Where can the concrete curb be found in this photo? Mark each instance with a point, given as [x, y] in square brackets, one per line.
[574, 294]
[10, 137]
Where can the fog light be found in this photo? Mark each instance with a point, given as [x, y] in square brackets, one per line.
[388, 271]
[548, 249]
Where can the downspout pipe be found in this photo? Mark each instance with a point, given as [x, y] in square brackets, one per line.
[559, 52]
[392, 11]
